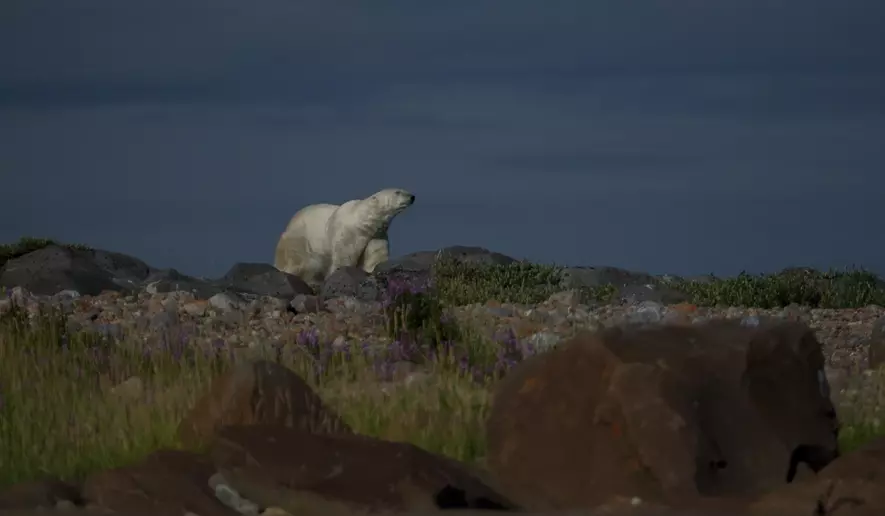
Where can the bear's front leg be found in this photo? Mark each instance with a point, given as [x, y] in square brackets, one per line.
[347, 248]
[377, 252]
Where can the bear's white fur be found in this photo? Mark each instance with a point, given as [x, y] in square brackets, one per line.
[321, 238]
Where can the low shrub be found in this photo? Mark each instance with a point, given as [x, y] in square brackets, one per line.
[832, 289]
[461, 284]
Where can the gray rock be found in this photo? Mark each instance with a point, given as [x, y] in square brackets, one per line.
[162, 321]
[265, 280]
[348, 304]
[195, 309]
[67, 294]
[226, 301]
[231, 498]
[350, 282]
[54, 268]
[424, 260]
[574, 298]
[166, 274]
[199, 288]
[570, 298]
[163, 281]
[633, 294]
[794, 312]
[19, 295]
[539, 343]
[631, 286]
[648, 312]
[305, 304]
[751, 320]
[578, 277]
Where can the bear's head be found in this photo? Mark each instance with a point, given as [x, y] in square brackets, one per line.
[391, 202]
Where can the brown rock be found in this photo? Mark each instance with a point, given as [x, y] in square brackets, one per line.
[292, 469]
[670, 414]
[167, 482]
[852, 485]
[255, 393]
[39, 493]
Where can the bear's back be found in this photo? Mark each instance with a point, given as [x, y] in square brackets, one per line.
[309, 217]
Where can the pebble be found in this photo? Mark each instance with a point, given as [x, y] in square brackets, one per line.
[225, 302]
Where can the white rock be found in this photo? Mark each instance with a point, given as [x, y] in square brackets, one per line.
[225, 302]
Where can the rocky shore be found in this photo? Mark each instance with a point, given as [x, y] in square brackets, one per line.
[254, 313]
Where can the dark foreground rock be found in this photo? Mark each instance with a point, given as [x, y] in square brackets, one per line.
[671, 414]
[259, 392]
[39, 493]
[167, 482]
[286, 468]
[852, 485]
[661, 421]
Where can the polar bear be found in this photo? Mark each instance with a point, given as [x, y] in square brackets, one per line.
[321, 238]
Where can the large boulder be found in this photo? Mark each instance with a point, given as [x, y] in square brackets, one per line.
[170, 280]
[167, 482]
[303, 473]
[46, 493]
[670, 414]
[631, 286]
[54, 268]
[264, 280]
[259, 392]
[350, 282]
[589, 277]
[422, 261]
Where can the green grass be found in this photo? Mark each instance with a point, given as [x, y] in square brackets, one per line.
[59, 417]
[851, 288]
[532, 283]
